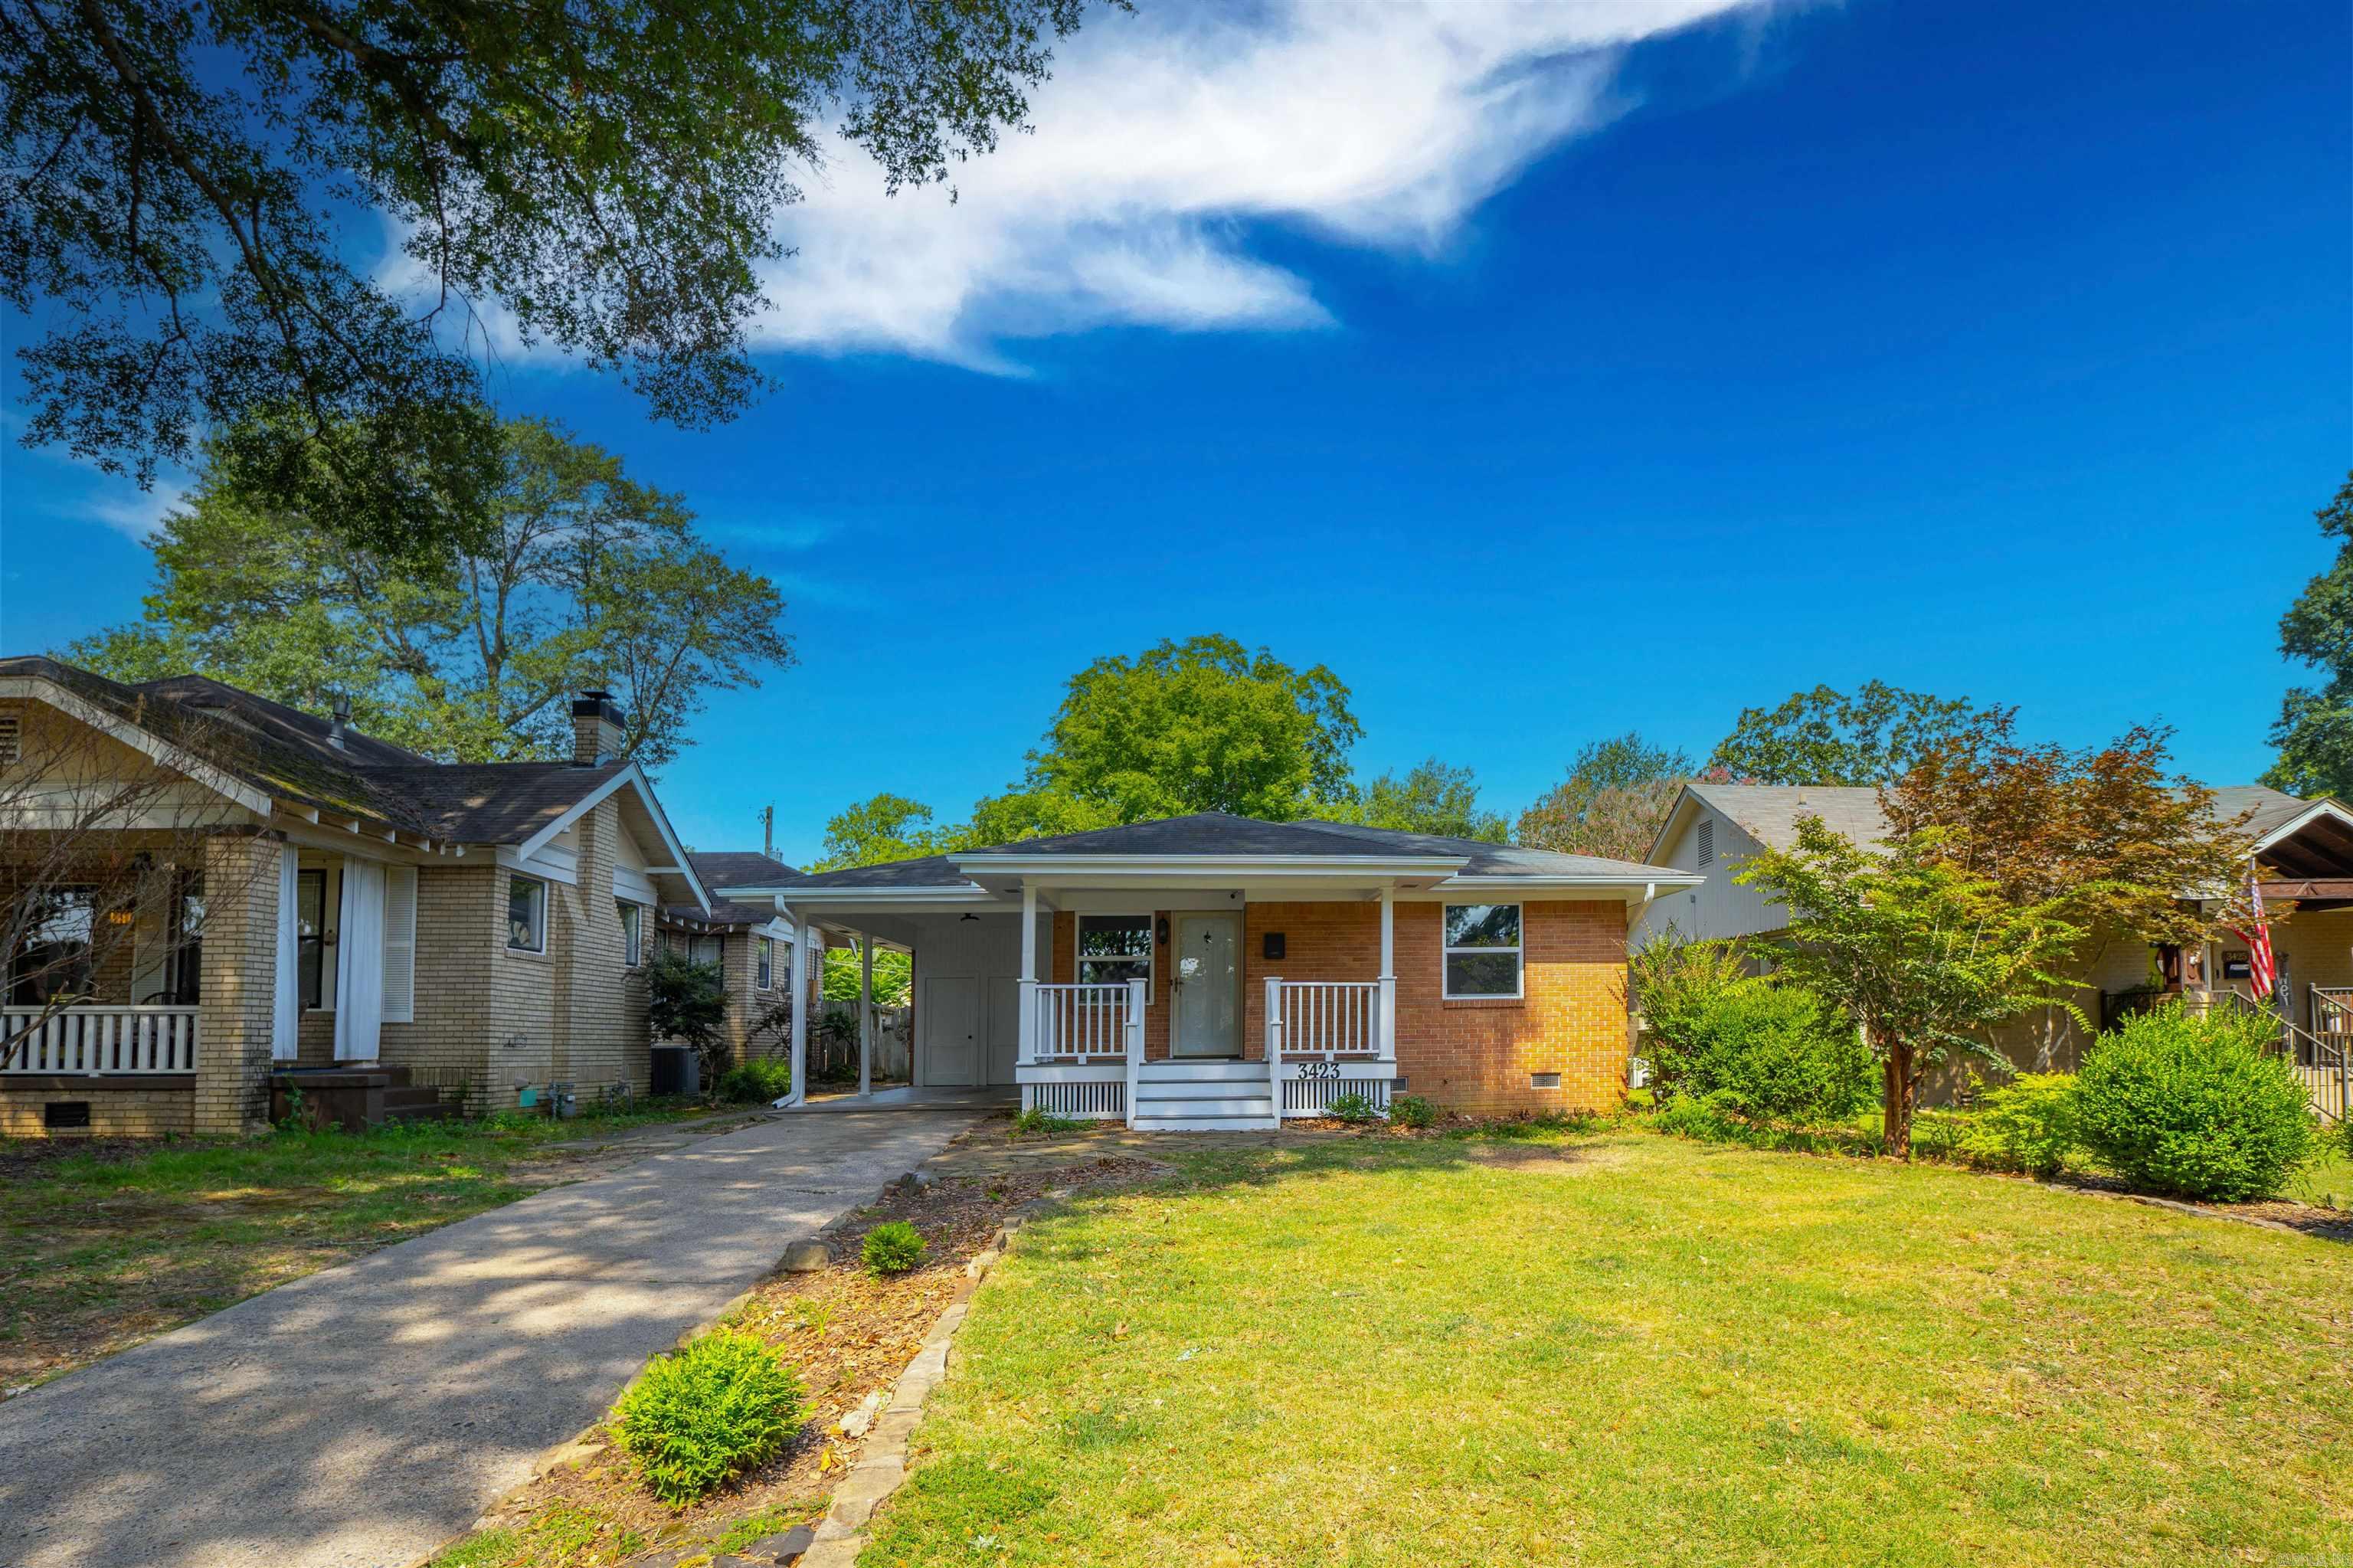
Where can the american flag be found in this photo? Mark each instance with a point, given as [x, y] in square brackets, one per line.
[2261, 973]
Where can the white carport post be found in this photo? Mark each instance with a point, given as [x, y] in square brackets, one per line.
[1388, 975]
[1027, 1030]
[800, 1005]
[865, 1015]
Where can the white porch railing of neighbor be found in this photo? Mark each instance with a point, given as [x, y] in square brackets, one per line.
[2322, 1056]
[98, 1040]
[1075, 1021]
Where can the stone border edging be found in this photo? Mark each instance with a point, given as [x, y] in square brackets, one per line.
[882, 1467]
[886, 1452]
[2182, 1206]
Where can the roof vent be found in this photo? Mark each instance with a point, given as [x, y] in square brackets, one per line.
[341, 724]
[1707, 840]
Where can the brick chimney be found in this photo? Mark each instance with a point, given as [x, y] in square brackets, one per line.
[595, 729]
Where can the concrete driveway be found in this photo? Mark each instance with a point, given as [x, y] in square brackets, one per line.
[358, 1418]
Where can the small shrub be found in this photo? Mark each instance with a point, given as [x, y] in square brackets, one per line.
[2178, 1103]
[1749, 1046]
[1413, 1112]
[1038, 1121]
[2028, 1124]
[756, 1080]
[707, 1413]
[893, 1247]
[1699, 1116]
[1352, 1108]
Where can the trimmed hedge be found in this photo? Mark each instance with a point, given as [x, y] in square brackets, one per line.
[2193, 1106]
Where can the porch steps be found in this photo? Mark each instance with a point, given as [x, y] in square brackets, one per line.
[403, 1103]
[1203, 1097]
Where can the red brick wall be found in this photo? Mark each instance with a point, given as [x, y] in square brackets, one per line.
[1475, 1056]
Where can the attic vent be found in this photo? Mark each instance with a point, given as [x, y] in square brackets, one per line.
[12, 749]
[1708, 842]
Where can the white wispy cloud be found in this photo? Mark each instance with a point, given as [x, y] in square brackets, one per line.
[1164, 135]
[137, 515]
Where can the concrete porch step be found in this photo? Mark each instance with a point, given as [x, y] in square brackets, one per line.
[435, 1111]
[408, 1095]
[1259, 1123]
[1239, 1106]
[1201, 1072]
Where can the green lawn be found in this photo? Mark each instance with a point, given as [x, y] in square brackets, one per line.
[102, 1248]
[1649, 1351]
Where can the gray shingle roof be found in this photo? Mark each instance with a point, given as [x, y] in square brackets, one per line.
[1770, 812]
[285, 753]
[1211, 834]
[738, 868]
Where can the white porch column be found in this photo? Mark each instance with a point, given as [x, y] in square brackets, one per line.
[1388, 972]
[802, 935]
[1028, 1030]
[865, 1015]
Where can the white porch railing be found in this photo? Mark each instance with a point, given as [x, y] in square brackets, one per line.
[100, 1039]
[1076, 1022]
[1325, 1039]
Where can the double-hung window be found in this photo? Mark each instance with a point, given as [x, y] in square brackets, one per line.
[526, 915]
[1482, 950]
[1115, 949]
[705, 950]
[311, 935]
[633, 933]
[768, 977]
[53, 956]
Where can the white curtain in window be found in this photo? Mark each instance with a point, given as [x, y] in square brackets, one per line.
[359, 962]
[286, 1011]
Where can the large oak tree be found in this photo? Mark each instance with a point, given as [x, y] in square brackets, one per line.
[195, 192]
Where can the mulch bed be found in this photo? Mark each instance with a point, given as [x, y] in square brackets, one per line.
[845, 1332]
[2328, 1224]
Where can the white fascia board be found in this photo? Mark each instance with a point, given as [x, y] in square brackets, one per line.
[41, 689]
[2302, 820]
[632, 777]
[1078, 870]
[1673, 822]
[906, 900]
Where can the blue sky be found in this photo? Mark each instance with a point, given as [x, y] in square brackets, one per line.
[1544, 380]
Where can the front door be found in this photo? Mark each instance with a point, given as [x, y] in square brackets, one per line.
[1206, 990]
[950, 1018]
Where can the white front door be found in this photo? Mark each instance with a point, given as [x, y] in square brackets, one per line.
[1206, 989]
[951, 1025]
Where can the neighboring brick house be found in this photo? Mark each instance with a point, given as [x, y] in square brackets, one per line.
[1216, 971]
[750, 942]
[463, 934]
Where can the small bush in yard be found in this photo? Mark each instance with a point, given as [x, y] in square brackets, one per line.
[757, 1079]
[893, 1247]
[1037, 1120]
[2028, 1124]
[707, 1413]
[1412, 1111]
[1352, 1108]
[2178, 1103]
[1749, 1044]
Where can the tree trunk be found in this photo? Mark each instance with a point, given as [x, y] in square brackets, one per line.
[1896, 1119]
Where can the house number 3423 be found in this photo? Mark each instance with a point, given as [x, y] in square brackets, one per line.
[1319, 1069]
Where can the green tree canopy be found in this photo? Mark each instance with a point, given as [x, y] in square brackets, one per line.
[585, 578]
[2314, 732]
[1825, 737]
[1204, 724]
[879, 830]
[1922, 955]
[1430, 797]
[193, 188]
[1617, 793]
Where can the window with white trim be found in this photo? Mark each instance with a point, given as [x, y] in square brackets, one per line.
[633, 932]
[1482, 950]
[526, 915]
[1115, 949]
[12, 741]
[707, 951]
[767, 964]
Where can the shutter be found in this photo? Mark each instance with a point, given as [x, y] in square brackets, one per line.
[400, 944]
[1706, 840]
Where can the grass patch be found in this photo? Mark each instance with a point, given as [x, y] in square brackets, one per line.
[104, 1246]
[1634, 1350]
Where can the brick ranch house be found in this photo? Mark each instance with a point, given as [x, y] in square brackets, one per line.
[1214, 971]
[440, 935]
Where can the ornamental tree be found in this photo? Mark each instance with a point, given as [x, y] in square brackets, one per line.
[1920, 954]
[1617, 794]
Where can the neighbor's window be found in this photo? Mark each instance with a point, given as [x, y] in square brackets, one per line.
[633, 933]
[704, 950]
[767, 964]
[526, 915]
[310, 935]
[187, 952]
[1483, 950]
[53, 958]
[1115, 949]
